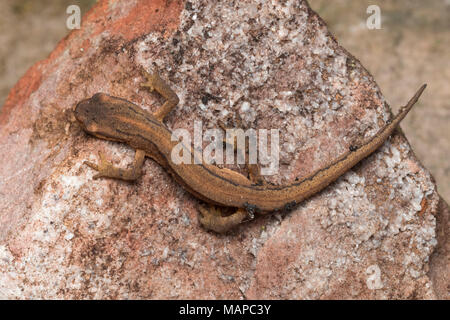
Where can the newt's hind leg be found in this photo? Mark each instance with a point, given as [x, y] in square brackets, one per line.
[155, 83]
[253, 170]
[108, 170]
[212, 219]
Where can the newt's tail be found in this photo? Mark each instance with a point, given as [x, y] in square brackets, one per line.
[404, 110]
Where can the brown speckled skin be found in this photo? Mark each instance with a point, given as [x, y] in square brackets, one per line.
[116, 119]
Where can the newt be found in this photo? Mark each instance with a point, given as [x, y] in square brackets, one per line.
[117, 119]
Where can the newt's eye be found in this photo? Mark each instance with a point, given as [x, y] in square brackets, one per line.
[92, 126]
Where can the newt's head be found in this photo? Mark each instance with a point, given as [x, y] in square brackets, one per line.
[100, 116]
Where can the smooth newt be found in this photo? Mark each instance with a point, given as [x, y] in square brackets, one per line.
[117, 119]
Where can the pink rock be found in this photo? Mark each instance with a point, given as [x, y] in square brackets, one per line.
[63, 235]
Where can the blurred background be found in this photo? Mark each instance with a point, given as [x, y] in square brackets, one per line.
[412, 47]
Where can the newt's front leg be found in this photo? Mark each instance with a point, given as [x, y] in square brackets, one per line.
[155, 83]
[108, 170]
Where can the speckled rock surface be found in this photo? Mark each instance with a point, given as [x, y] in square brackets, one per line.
[262, 65]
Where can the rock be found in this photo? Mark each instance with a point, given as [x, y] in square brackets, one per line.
[261, 64]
